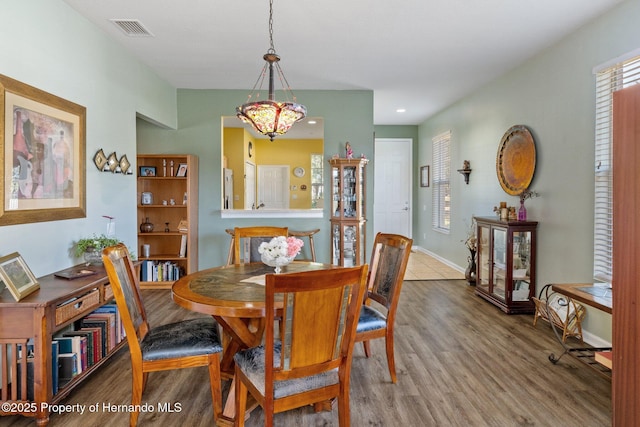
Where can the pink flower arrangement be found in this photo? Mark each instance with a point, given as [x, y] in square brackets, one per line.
[293, 246]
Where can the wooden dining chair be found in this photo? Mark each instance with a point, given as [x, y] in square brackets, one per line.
[185, 344]
[246, 241]
[309, 235]
[309, 360]
[388, 265]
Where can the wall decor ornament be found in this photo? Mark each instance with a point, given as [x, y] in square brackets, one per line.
[424, 176]
[111, 163]
[42, 144]
[516, 160]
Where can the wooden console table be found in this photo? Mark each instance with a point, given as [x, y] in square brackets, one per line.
[35, 319]
[599, 297]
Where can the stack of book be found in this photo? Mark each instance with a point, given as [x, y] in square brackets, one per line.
[160, 271]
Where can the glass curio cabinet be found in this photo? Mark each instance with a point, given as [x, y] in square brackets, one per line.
[506, 264]
[348, 218]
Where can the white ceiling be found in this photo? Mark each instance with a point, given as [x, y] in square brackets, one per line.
[420, 55]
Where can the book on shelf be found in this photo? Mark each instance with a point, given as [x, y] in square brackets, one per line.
[88, 322]
[604, 358]
[183, 246]
[110, 328]
[87, 357]
[183, 225]
[68, 367]
[113, 308]
[160, 271]
[30, 361]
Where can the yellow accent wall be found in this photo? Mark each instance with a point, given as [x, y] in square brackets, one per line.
[295, 153]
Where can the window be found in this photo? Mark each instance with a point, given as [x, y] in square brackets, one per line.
[608, 80]
[317, 172]
[441, 193]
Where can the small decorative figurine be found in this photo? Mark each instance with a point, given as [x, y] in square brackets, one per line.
[349, 150]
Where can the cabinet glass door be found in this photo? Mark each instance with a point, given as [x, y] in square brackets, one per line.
[335, 191]
[521, 265]
[484, 259]
[499, 262]
[350, 197]
[347, 244]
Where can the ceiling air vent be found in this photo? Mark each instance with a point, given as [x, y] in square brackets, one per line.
[132, 27]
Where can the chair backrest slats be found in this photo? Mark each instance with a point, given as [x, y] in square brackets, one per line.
[126, 291]
[247, 240]
[389, 263]
[318, 319]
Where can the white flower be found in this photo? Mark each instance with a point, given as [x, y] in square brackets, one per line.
[278, 247]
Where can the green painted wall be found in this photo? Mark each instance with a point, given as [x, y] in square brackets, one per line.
[553, 94]
[348, 116]
[46, 44]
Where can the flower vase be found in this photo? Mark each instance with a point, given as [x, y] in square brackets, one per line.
[522, 212]
[278, 262]
[146, 226]
[92, 256]
[470, 272]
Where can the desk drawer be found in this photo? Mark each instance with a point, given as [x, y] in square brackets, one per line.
[73, 308]
[108, 293]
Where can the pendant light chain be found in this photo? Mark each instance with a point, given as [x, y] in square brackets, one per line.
[271, 117]
[271, 48]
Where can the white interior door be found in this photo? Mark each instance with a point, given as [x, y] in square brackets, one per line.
[392, 186]
[273, 186]
[249, 185]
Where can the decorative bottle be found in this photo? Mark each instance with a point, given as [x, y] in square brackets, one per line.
[522, 212]
[146, 226]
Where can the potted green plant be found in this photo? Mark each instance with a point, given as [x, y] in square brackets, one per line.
[91, 247]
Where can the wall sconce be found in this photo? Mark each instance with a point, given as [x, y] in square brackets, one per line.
[111, 163]
[466, 171]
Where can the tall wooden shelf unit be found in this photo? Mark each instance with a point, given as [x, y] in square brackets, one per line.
[506, 272]
[348, 216]
[165, 186]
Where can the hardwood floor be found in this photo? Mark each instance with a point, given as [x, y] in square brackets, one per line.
[460, 361]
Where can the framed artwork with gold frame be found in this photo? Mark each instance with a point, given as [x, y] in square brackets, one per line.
[42, 149]
[17, 277]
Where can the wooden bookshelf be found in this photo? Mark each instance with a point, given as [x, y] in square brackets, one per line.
[165, 198]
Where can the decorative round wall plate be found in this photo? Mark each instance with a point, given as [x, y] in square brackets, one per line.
[516, 160]
[299, 172]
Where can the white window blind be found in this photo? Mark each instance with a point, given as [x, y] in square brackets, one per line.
[441, 175]
[608, 80]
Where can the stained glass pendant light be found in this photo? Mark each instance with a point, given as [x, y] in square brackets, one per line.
[271, 117]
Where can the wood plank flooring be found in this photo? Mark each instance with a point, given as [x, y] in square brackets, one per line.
[460, 361]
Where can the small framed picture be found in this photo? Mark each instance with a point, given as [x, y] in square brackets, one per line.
[147, 171]
[424, 176]
[182, 170]
[16, 275]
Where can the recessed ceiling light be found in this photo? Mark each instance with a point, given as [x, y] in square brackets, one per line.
[312, 122]
[401, 110]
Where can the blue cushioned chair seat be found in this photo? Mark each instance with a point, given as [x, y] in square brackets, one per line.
[252, 363]
[187, 338]
[370, 319]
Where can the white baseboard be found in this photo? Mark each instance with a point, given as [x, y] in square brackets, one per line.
[589, 338]
[439, 258]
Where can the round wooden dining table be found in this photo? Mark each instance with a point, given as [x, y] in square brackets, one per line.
[235, 296]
